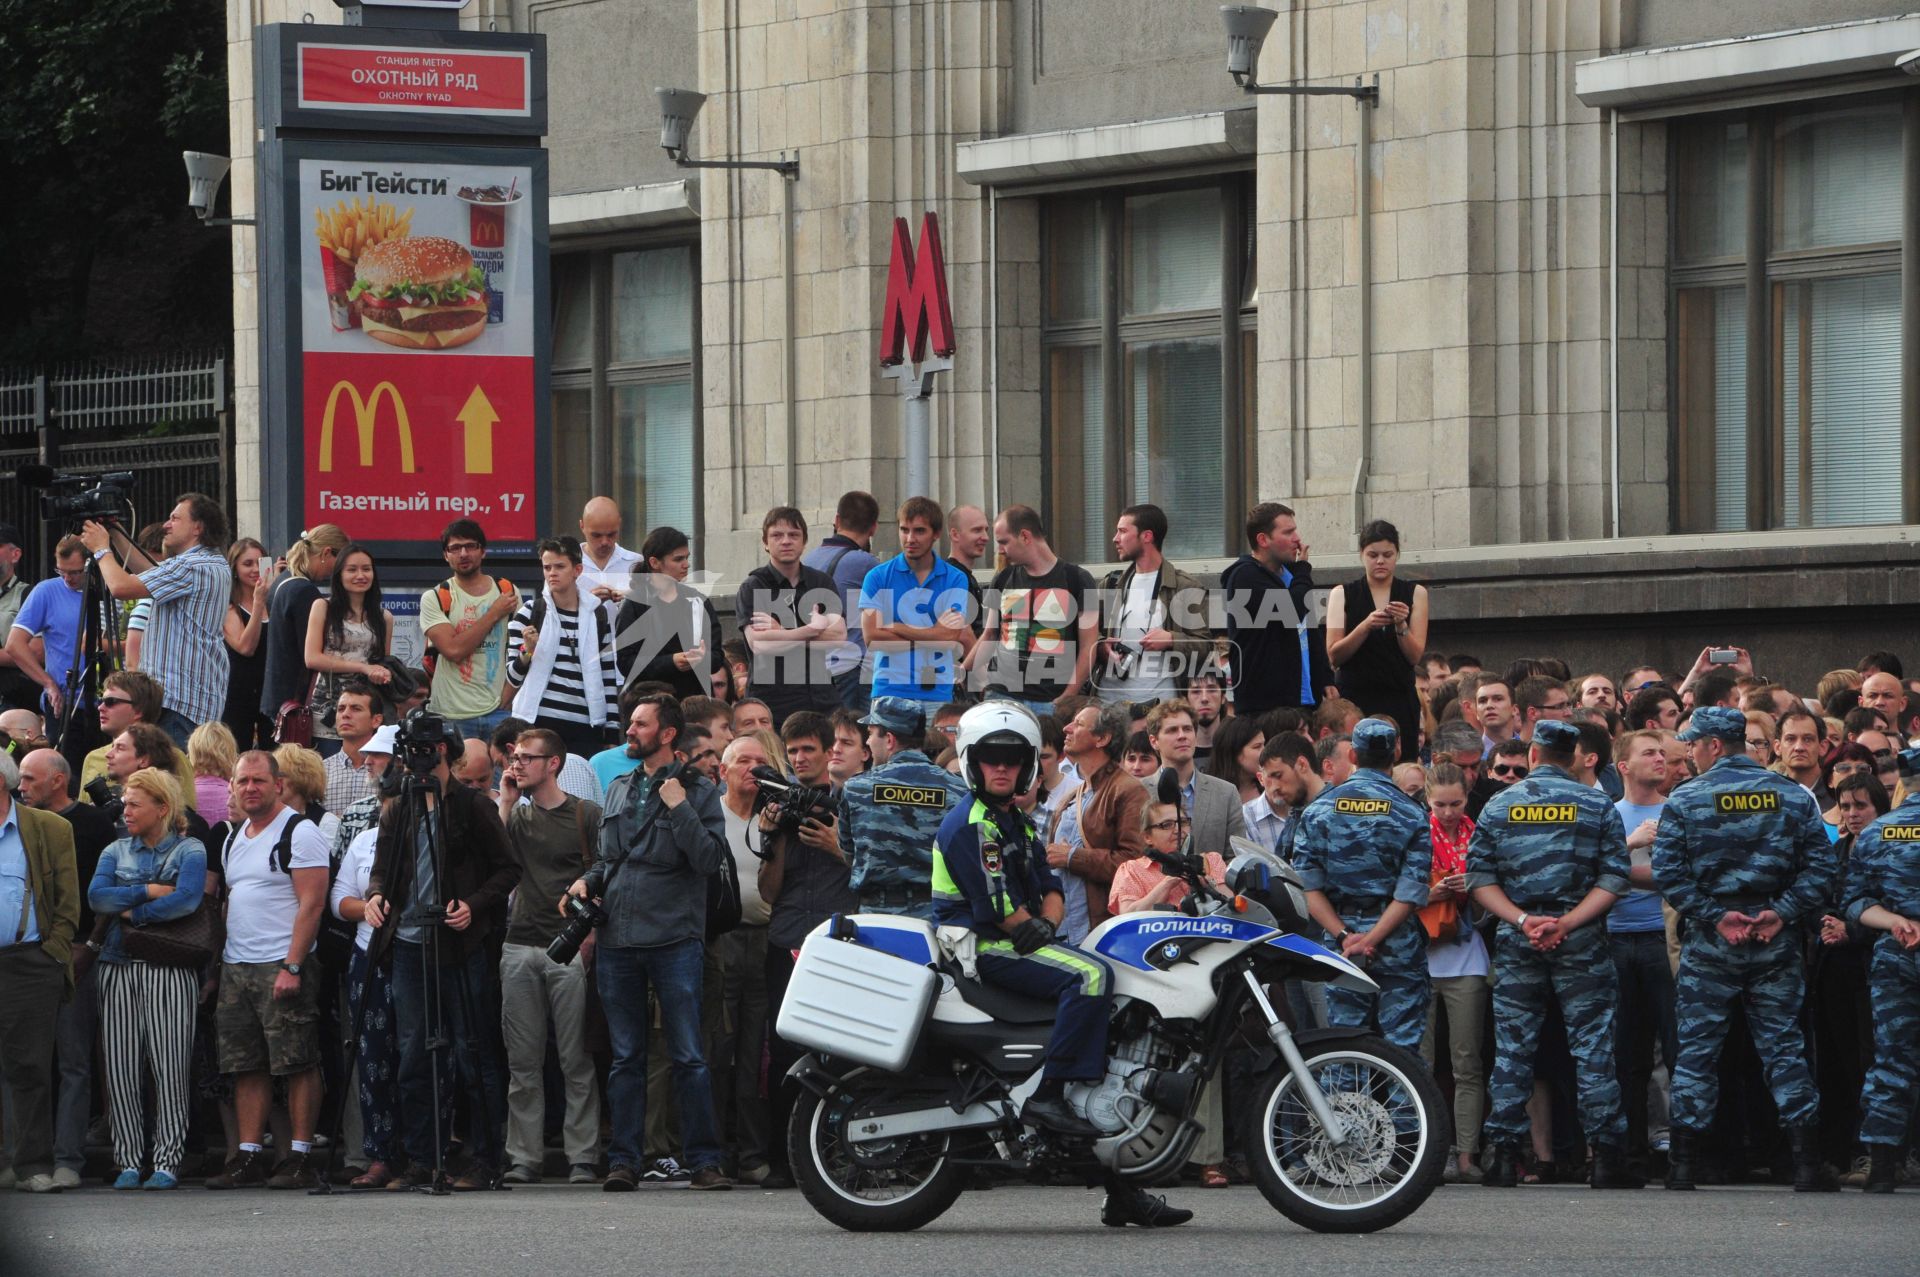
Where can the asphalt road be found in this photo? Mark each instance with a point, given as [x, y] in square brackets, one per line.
[551, 1231]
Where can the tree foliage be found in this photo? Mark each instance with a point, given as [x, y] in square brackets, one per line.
[97, 100]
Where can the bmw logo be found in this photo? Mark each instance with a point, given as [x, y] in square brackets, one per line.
[1170, 950]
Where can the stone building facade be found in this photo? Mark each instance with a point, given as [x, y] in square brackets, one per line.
[1605, 304]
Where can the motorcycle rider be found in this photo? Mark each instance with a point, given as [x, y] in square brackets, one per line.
[990, 876]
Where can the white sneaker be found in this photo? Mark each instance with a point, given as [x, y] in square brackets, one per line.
[37, 1184]
[67, 1177]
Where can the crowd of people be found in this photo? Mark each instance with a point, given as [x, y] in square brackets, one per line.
[285, 908]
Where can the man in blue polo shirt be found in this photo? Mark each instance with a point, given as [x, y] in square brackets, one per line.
[52, 614]
[914, 612]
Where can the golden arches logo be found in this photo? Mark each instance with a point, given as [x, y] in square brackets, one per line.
[365, 419]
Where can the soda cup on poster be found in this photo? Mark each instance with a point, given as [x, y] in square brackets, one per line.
[489, 213]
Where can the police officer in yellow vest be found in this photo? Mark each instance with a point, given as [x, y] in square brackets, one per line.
[990, 874]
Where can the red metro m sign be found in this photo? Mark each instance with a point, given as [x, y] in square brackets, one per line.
[917, 314]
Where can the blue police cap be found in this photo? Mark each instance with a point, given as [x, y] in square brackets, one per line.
[1561, 738]
[1910, 762]
[1718, 722]
[897, 714]
[1371, 733]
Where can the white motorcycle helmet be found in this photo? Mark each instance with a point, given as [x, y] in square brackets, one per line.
[994, 726]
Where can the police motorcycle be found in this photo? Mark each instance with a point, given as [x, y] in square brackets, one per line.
[917, 1075]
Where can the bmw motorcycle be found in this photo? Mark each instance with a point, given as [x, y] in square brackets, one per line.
[917, 1075]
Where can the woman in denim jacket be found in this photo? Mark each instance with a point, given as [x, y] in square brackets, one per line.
[155, 874]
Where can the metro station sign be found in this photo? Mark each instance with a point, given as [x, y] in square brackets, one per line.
[415, 80]
[918, 314]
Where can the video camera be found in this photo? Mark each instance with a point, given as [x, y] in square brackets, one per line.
[76, 498]
[798, 803]
[417, 745]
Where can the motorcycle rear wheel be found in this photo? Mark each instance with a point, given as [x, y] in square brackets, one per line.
[1397, 1121]
[874, 1189]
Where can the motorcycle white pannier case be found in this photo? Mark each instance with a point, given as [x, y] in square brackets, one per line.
[854, 1003]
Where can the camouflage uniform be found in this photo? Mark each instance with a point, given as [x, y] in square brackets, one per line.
[1885, 871]
[1364, 844]
[1741, 838]
[889, 817]
[1547, 841]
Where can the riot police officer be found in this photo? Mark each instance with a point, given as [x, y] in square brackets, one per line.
[889, 815]
[1364, 850]
[991, 882]
[1883, 894]
[1742, 856]
[1548, 859]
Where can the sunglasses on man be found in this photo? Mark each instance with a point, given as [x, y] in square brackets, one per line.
[1510, 771]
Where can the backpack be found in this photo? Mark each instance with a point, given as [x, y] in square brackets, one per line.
[723, 898]
[443, 594]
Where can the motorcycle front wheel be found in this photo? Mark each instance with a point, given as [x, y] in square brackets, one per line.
[893, 1186]
[1393, 1157]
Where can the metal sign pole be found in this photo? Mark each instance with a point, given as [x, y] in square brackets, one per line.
[916, 389]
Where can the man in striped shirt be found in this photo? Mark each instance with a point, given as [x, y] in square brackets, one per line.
[184, 646]
[560, 656]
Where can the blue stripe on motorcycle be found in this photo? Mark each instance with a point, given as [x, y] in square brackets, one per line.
[900, 942]
[1302, 947]
[1129, 940]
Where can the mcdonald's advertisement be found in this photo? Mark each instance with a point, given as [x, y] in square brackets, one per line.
[418, 331]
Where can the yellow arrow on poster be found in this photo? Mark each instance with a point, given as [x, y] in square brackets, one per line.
[479, 418]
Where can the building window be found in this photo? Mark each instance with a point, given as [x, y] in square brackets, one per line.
[624, 408]
[1787, 332]
[1147, 339]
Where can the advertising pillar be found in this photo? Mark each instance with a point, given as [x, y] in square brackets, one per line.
[404, 302]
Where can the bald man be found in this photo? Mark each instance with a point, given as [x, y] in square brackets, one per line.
[606, 565]
[1884, 692]
[474, 768]
[968, 532]
[20, 726]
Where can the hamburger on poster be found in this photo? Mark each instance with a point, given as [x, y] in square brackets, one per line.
[422, 292]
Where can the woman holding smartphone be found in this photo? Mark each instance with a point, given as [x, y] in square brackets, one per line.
[1376, 630]
[666, 629]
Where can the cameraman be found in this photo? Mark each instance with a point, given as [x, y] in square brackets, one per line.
[805, 879]
[185, 647]
[408, 894]
[662, 837]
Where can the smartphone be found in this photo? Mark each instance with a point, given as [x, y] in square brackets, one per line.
[1723, 655]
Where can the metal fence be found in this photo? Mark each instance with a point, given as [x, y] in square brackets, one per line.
[166, 418]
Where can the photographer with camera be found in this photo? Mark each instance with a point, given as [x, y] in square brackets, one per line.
[804, 877]
[143, 745]
[551, 837]
[662, 837]
[185, 646]
[441, 872]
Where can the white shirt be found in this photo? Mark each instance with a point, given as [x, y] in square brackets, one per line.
[754, 911]
[351, 882]
[261, 904]
[615, 575]
[1264, 824]
[1149, 679]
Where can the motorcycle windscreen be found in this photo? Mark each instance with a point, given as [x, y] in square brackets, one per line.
[1341, 973]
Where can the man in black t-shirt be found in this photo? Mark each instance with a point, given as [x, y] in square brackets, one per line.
[790, 616]
[1043, 620]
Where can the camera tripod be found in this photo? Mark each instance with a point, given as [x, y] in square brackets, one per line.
[423, 811]
[93, 659]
